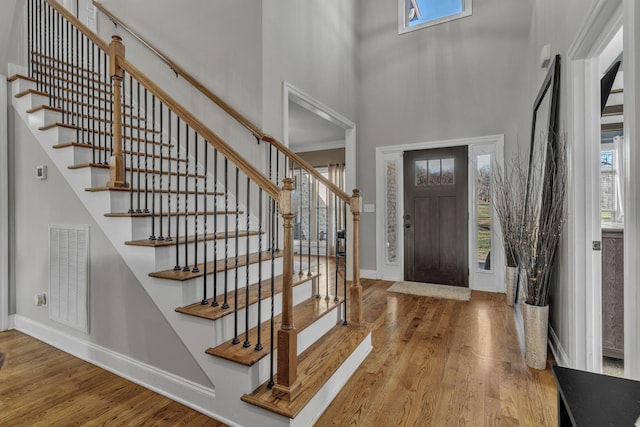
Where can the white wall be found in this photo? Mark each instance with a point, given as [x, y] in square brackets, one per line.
[557, 24]
[310, 44]
[218, 42]
[465, 78]
[123, 319]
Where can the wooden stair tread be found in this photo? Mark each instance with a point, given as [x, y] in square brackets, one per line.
[30, 91]
[211, 267]
[304, 314]
[190, 239]
[21, 77]
[315, 366]
[206, 311]
[142, 190]
[613, 110]
[70, 64]
[157, 214]
[126, 152]
[76, 114]
[135, 170]
[72, 71]
[611, 127]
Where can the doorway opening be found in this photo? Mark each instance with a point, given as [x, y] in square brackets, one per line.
[326, 140]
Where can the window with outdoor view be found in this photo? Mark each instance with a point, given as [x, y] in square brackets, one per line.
[416, 14]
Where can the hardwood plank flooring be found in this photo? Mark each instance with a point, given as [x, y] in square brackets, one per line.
[435, 362]
[439, 362]
[43, 386]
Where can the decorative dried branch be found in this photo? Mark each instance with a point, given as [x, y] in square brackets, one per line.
[509, 193]
[543, 223]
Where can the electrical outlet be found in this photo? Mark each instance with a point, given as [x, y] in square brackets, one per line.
[41, 172]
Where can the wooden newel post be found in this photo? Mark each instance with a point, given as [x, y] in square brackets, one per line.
[286, 386]
[356, 288]
[116, 49]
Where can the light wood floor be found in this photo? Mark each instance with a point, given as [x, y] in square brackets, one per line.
[435, 363]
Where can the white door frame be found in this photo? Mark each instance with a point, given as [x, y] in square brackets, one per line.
[395, 270]
[293, 94]
[583, 112]
[4, 208]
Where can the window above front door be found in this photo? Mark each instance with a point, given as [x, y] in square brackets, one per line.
[417, 14]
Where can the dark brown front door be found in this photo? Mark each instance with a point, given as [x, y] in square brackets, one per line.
[435, 216]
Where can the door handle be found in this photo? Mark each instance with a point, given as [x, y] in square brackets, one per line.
[407, 226]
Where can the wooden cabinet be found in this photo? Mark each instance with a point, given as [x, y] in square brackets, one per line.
[612, 293]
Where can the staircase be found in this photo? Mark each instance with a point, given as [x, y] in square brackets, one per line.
[208, 235]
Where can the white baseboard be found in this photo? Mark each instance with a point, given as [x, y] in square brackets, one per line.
[368, 274]
[181, 390]
[557, 349]
[12, 321]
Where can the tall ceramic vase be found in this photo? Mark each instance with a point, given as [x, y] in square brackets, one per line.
[510, 278]
[536, 324]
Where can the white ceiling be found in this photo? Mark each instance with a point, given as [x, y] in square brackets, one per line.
[310, 132]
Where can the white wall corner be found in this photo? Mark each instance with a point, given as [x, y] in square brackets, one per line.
[4, 208]
[556, 348]
[368, 274]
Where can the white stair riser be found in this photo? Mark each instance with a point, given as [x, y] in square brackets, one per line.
[44, 116]
[141, 226]
[166, 256]
[224, 327]
[192, 290]
[20, 85]
[121, 201]
[29, 101]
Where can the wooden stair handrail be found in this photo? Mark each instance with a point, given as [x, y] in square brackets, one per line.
[182, 72]
[258, 177]
[246, 123]
[79, 25]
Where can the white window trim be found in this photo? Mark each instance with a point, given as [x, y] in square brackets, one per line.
[488, 281]
[403, 25]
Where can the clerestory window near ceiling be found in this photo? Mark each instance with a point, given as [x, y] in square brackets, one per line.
[417, 14]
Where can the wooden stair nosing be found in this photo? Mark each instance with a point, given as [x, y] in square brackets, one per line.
[135, 170]
[71, 70]
[100, 85]
[21, 77]
[613, 110]
[30, 91]
[191, 239]
[610, 127]
[207, 311]
[166, 214]
[75, 114]
[101, 132]
[107, 149]
[315, 366]
[212, 268]
[142, 190]
[305, 314]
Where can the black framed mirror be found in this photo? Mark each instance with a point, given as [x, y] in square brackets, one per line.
[544, 132]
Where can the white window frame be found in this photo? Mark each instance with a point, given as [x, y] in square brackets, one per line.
[403, 25]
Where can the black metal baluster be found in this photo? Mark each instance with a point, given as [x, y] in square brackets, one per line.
[195, 207]
[225, 304]
[109, 107]
[259, 344]
[236, 340]
[317, 211]
[177, 267]
[186, 201]
[309, 178]
[131, 187]
[97, 110]
[153, 167]
[169, 175]
[214, 303]
[29, 37]
[247, 343]
[326, 243]
[206, 229]
[300, 222]
[146, 152]
[271, 383]
[337, 248]
[275, 226]
[344, 270]
[138, 153]
[161, 178]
